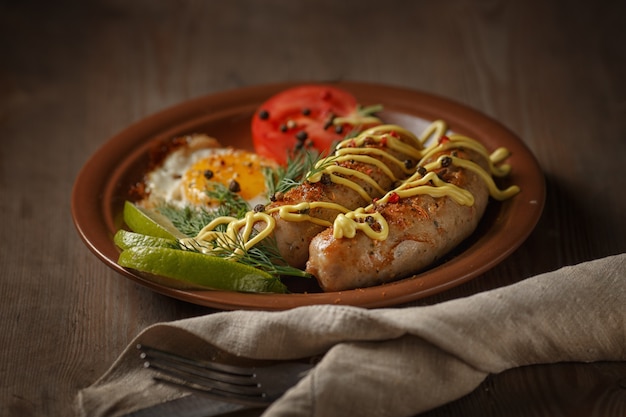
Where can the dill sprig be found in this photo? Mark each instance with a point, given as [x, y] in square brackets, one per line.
[187, 219]
[264, 256]
[284, 178]
[230, 203]
[190, 220]
[321, 165]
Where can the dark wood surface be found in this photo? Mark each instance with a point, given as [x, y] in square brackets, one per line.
[74, 73]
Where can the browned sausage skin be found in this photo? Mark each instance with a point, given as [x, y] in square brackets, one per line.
[360, 170]
[421, 229]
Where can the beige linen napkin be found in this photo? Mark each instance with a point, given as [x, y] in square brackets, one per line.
[396, 362]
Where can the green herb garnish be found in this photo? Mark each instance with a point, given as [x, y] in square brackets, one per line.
[283, 179]
[190, 220]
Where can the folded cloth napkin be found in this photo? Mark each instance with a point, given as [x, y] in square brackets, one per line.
[395, 362]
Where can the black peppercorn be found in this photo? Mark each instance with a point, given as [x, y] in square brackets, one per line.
[446, 161]
[277, 196]
[264, 115]
[301, 136]
[234, 186]
[208, 174]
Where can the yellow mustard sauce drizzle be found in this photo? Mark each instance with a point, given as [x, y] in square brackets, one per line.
[237, 236]
[300, 212]
[435, 130]
[346, 225]
[353, 149]
[236, 239]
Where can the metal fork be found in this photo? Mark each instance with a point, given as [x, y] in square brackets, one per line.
[258, 386]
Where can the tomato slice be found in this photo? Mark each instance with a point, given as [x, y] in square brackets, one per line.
[302, 116]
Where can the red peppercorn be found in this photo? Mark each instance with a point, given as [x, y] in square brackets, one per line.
[394, 198]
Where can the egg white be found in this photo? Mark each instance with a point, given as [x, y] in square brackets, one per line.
[166, 183]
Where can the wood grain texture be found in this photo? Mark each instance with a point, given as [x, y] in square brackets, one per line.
[74, 73]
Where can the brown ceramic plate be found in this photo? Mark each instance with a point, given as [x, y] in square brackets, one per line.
[103, 185]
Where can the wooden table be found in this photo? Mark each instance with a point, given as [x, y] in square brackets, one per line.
[74, 73]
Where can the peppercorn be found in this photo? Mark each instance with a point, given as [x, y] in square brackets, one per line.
[301, 136]
[277, 196]
[259, 208]
[208, 174]
[338, 129]
[234, 186]
[422, 171]
[283, 127]
[326, 180]
[446, 161]
[306, 111]
[408, 163]
[264, 115]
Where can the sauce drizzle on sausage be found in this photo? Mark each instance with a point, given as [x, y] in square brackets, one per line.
[239, 234]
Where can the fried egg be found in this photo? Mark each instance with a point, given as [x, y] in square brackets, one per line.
[190, 171]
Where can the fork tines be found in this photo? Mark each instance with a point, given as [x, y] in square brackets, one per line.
[252, 385]
[212, 377]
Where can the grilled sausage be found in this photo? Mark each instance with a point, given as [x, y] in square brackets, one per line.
[422, 228]
[369, 162]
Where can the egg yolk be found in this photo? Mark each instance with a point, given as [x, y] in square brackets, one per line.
[238, 170]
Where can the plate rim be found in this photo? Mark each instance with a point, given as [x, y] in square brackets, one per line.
[87, 198]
